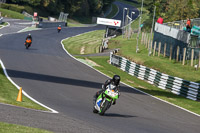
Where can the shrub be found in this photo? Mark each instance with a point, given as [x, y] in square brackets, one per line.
[4, 6]
[28, 9]
[11, 14]
[13, 7]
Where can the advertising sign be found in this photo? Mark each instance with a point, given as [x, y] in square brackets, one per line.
[110, 22]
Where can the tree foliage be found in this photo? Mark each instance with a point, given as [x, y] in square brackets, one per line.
[172, 10]
[73, 7]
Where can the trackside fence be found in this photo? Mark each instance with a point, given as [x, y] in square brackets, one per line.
[178, 86]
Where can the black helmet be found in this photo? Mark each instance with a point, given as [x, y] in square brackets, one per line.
[116, 79]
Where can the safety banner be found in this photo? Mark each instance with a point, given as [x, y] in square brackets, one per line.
[110, 22]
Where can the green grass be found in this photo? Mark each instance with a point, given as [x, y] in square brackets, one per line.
[164, 65]
[83, 20]
[29, 29]
[90, 42]
[73, 23]
[11, 14]
[12, 128]
[8, 94]
[3, 24]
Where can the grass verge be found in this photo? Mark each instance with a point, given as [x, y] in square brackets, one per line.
[12, 128]
[87, 43]
[30, 29]
[164, 65]
[8, 94]
[3, 24]
[11, 14]
[73, 23]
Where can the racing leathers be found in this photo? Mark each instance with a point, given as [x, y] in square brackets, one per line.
[29, 40]
[108, 82]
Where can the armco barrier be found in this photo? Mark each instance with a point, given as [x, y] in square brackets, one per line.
[50, 24]
[178, 86]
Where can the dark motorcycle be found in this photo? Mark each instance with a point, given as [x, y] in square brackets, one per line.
[59, 29]
[28, 43]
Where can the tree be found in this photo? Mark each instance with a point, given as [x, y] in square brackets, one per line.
[83, 7]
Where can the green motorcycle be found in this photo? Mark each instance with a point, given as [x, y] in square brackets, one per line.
[106, 99]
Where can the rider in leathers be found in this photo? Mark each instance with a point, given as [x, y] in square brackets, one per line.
[114, 81]
[29, 37]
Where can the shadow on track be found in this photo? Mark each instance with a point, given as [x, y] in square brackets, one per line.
[32, 49]
[118, 115]
[63, 80]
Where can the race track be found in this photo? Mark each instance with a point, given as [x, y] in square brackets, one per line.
[48, 74]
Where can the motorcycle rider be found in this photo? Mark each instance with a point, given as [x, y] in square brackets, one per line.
[29, 39]
[114, 81]
[59, 28]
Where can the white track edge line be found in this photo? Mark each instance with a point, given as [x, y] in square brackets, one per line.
[123, 82]
[5, 72]
[22, 29]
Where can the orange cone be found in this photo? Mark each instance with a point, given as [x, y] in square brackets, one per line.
[19, 97]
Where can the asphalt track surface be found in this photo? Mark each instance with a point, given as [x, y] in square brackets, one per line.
[48, 74]
[15, 25]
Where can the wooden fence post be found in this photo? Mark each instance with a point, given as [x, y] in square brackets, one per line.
[146, 42]
[192, 57]
[170, 57]
[151, 47]
[149, 43]
[142, 37]
[177, 53]
[154, 48]
[165, 49]
[184, 54]
[159, 49]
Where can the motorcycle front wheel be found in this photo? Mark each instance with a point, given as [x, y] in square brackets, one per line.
[105, 107]
[26, 46]
[94, 110]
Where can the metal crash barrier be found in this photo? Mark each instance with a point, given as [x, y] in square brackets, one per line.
[50, 24]
[178, 86]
